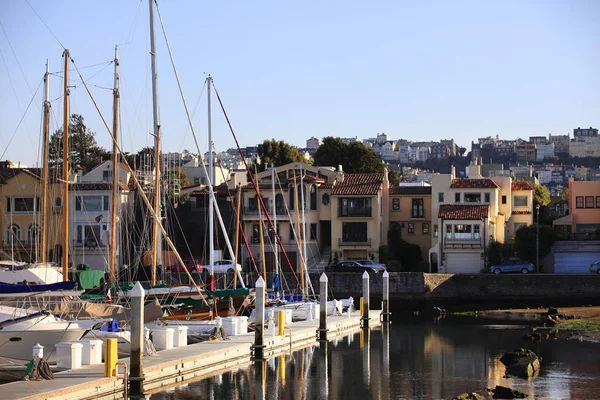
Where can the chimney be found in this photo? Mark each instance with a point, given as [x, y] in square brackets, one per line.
[453, 171]
[232, 183]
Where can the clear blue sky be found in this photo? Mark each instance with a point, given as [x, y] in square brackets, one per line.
[291, 70]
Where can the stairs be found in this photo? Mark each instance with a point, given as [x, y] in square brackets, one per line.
[325, 256]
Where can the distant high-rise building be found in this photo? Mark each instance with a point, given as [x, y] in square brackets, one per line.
[561, 143]
[580, 134]
[313, 143]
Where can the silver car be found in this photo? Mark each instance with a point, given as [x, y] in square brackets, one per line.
[377, 267]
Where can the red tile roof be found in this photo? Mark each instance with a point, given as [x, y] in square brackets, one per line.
[95, 186]
[307, 178]
[358, 184]
[521, 185]
[326, 186]
[473, 184]
[521, 212]
[463, 212]
[9, 173]
[410, 190]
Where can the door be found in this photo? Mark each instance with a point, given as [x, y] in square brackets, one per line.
[574, 262]
[463, 263]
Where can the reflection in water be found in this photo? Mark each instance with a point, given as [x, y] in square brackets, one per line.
[408, 360]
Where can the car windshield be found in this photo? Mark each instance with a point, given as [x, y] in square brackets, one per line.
[365, 262]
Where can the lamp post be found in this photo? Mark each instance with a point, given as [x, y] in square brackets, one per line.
[537, 239]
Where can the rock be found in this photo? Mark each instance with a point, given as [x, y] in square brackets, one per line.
[469, 396]
[552, 311]
[521, 363]
[502, 392]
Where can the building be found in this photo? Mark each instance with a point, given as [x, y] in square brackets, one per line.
[579, 135]
[585, 146]
[410, 214]
[561, 143]
[313, 143]
[543, 150]
[90, 215]
[584, 210]
[538, 139]
[468, 213]
[525, 151]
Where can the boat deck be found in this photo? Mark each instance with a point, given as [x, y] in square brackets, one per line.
[175, 366]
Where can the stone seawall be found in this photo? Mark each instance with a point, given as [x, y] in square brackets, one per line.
[415, 288]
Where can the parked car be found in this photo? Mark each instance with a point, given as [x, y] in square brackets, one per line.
[222, 267]
[349, 266]
[376, 266]
[193, 266]
[523, 267]
[595, 268]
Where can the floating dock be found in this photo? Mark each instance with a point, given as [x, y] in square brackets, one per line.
[179, 365]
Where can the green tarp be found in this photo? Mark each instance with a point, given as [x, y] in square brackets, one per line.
[89, 279]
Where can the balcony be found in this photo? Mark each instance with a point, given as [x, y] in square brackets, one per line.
[18, 244]
[364, 212]
[90, 244]
[355, 242]
[462, 240]
[251, 211]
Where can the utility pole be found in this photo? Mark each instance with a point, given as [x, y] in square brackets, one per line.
[112, 258]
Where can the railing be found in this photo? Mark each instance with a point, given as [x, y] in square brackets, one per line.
[579, 236]
[353, 213]
[18, 244]
[254, 211]
[356, 242]
[90, 244]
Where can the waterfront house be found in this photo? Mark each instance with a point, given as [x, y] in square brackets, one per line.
[468, 213]
[583, 221]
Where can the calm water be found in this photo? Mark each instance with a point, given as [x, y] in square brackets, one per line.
[410, 360]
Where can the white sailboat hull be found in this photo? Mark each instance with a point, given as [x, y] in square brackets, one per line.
[19, 345]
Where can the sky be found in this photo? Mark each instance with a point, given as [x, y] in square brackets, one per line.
[425, 70]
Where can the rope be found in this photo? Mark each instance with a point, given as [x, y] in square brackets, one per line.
[47, 27]
[254, 184]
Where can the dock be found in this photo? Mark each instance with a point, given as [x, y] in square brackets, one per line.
[182, 364]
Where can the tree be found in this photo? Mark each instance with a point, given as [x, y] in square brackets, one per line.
[541, 195]
[526, 239]
[84, 150]
[279, 153]
[354, 158]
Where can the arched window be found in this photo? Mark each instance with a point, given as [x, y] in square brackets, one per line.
[292, 202]
[302, 196]
[33, 233]
[279, 205]
[57, 202]
[326, 199]
[13, 233]
[313, 197]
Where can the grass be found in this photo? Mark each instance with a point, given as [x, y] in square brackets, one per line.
[580, 325]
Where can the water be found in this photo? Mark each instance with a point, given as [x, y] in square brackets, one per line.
[410, 360]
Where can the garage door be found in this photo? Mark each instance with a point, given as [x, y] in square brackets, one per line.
[463, 263]
[574, 262]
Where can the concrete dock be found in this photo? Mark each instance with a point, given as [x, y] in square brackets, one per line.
[182, 364]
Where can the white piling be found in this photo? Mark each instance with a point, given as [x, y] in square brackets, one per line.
[365, 316]
[136, 376]
[259, 323]
[386, 297]
[323, 308]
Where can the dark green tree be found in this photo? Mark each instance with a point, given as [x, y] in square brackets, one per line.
[279, 153]
[354, 158]
[541, 195]
[526, 239]
[84, 150]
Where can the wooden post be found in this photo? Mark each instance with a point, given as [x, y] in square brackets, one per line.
[299, 236]
[46, 141]
[136, 376]
[66, 170]
[259, 323]
[112, 258]
[237, 233]
[365, 308]
[386, 297]
[323, 308]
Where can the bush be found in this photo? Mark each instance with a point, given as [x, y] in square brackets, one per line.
[383, 254]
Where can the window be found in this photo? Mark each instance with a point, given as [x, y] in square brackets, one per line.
[396, 204]
[13, 233]
[325, 199]
[91, 203]
[472, 197]
[411, 228]
[107, 176]
[313, 231]
[196, 180]
[292, 236]
[354, 232]
[425, 228]
[21, 204]
[486, 197]
[579, 202]
[520, 201]
[279, 205]
[462, 231]
[418, 208]
[597, 201]
[89, 235]
[457, 197]
[33, 233]
[589, 201]
[58, 202]
[448, 231]
[476, 231]
[354, 207]
[8, 208]
[292, 202]
[313, 197]
[255, 233]
[503, 199]
[253, 203]
[441, 197]
[435, 230]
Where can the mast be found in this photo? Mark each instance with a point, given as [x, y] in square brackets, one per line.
[237, 232]
[45, 144]
[211, 238]
[156, 235]
[299, 236]
[302, 192]
[274, 216]
[65, 260]
[112, 259]
[260, 229]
